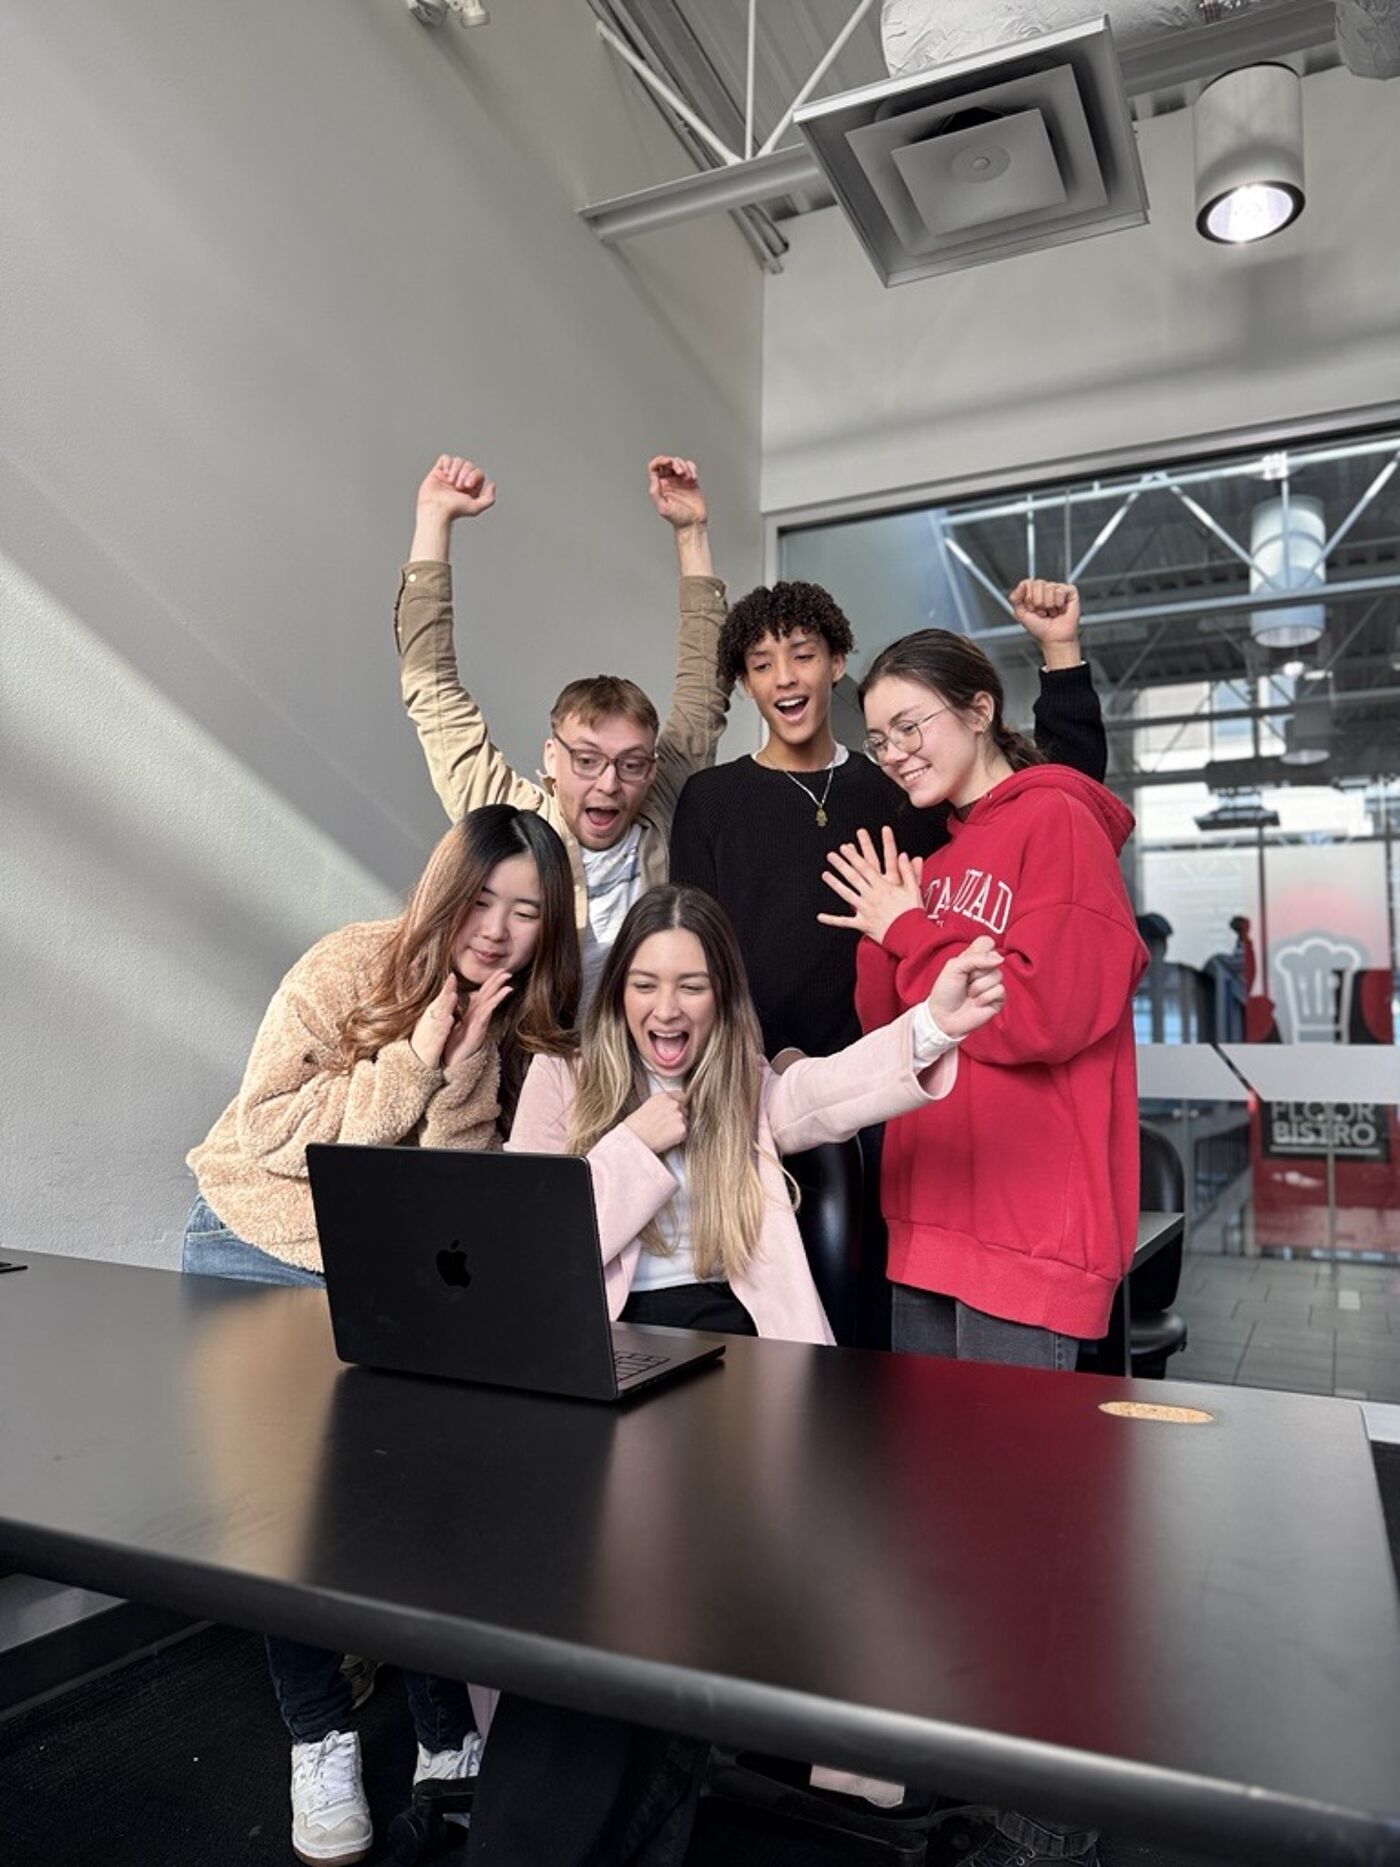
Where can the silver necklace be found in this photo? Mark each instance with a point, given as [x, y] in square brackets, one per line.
[820, 802]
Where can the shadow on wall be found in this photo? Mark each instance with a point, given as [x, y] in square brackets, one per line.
[89, 580]
[156, 889]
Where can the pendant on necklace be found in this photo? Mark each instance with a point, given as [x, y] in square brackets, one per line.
[821, 818]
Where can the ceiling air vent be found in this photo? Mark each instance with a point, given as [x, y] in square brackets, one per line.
[1017, 148]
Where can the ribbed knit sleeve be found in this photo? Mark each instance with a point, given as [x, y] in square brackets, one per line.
[1069, 721]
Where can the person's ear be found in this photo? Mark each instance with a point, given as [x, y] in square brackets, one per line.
[984, 711]
[838, 668]
[550, 759]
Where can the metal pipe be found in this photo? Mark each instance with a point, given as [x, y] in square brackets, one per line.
[748, 87]
[833, 52]
[1199, 606]
[670, 98]
[1106, 531]
[693, 195]
[1142, 723]
[1203, 476]
[1370, 493]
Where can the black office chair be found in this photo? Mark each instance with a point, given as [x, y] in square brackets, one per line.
[1158, 1330]
[831, 1184]
[850, 1283]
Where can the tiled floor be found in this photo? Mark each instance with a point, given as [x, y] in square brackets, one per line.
[1314, 1328]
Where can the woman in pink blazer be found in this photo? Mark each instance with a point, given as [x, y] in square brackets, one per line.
[685, 1126]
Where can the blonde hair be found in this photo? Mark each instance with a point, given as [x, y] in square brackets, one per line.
[601, 697]
[722, 1093]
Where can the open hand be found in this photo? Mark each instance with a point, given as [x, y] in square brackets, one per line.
[969, 992]
[434, 1027]
[660, 1121]
[879, 888]
[456, 489]
[673, 486]
[469, 1032]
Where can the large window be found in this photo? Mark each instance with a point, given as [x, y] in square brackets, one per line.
[1242, 615]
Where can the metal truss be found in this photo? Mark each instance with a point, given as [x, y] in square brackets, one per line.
[1267, 592]
[745, 177]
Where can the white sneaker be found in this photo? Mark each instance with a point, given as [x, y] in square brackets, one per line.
[449, 1766]
[330, 1817]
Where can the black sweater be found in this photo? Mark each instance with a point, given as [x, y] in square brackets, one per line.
[750, 837]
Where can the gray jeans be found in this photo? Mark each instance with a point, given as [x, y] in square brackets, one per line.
[925, 1323]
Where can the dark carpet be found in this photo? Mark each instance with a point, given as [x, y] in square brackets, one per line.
[179, 1760]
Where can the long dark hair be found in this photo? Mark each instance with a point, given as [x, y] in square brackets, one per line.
[722, 1092]
[957, 670]
[539, 1016]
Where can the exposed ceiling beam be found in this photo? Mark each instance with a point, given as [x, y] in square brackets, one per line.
[1172, 58]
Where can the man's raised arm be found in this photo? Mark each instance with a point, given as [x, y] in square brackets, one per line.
[699, 699]
[467, 770]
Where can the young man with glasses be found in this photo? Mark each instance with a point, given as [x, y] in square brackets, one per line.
[754, 833]
[612, 772]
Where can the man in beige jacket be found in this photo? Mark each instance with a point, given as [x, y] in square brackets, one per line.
[612, 772]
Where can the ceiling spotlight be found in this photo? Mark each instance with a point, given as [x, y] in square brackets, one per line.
[1249, 154]
[1292, 669]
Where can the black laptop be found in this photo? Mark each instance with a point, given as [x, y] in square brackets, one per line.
[480, 1267]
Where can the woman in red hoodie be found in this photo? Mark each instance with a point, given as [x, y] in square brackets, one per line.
[1012, 1204]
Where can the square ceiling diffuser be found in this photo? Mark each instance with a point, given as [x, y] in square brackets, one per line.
[1020, 147]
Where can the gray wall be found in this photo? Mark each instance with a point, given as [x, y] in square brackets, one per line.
[261, 264]
[1150, 337]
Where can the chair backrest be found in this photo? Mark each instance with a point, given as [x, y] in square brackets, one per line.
[1163, 1189]
[830, 1179]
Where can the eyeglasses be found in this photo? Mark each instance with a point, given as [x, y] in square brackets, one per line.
[631, 767]
[903, 736]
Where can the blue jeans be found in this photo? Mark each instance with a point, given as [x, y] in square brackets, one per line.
[313, 1694]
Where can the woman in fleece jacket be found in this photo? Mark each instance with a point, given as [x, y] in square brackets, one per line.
[410, 1031]
[1012, 1209]
[684, 1126]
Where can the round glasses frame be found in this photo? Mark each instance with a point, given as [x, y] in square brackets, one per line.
[903, 736]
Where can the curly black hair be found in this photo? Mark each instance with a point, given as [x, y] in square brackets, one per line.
[787, 606]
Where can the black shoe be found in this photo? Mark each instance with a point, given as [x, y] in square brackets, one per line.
[999, 1850]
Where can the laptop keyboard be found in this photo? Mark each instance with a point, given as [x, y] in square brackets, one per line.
[630, 1362]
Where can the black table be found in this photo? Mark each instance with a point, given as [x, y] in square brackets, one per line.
[965, 1577]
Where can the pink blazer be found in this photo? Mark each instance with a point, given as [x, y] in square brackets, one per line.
[818, 1099]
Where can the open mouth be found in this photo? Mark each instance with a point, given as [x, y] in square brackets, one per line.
[670, 1048]
[601, 818]
[792, 710]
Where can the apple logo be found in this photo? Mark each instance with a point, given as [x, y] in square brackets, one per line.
[452, 1266]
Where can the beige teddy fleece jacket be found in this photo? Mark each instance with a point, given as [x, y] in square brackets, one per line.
[252, 1166]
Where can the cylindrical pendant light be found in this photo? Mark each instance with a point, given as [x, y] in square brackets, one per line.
[1307, 734]
[1286, 539]
[1249, 154]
